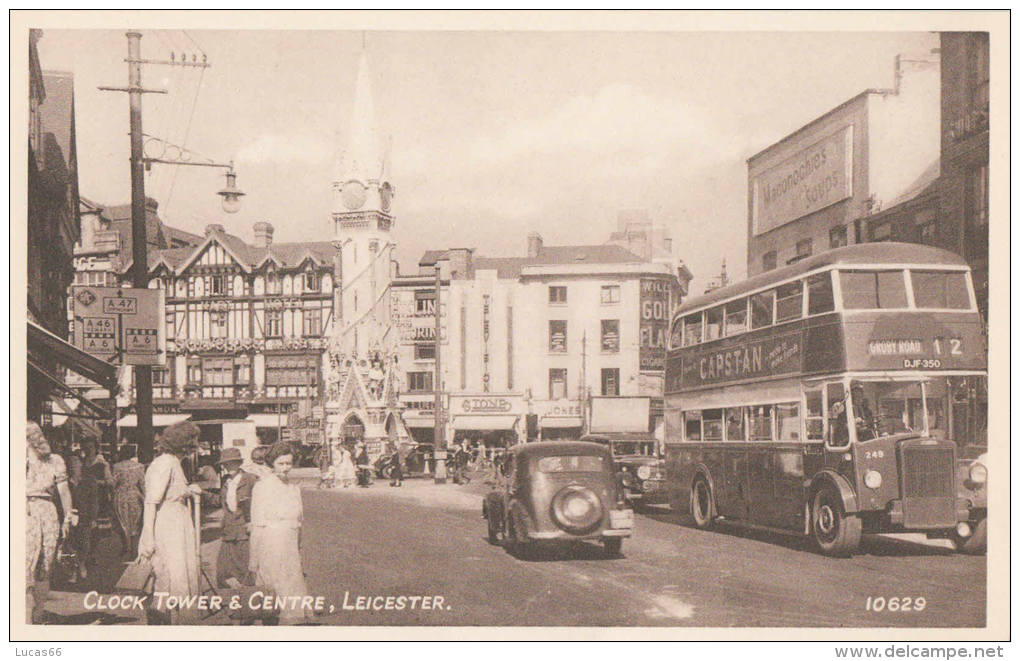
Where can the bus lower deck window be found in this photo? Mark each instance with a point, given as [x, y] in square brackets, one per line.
[692, 425]
[712, 424]
[735, 424]
[814, 416]
[761, 423]
[788, 422]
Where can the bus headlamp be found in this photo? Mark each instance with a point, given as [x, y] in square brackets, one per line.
[978, 474]
[644, 472]
[873, 479]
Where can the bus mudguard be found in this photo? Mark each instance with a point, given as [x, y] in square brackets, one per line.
[846, 491]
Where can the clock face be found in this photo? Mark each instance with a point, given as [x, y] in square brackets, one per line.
[353, 195]
[386, 196]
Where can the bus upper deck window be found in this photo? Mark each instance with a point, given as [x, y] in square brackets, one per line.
[675, 334]
[789, 301]
[712, 424]
[736, 317]
[692, 329]
[761, 309]
[870, 290]
[945, 290]
[820, 293]
[713, 324]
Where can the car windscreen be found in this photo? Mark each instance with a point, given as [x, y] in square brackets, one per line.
[627, 448]
[571, 464]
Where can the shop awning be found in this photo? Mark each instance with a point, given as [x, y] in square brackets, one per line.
[43, 344]
[419, 422]
[268, 420]
[561, 421]
[484, 422]
[158, 419]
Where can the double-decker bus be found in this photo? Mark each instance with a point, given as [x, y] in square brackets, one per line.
[829, 397]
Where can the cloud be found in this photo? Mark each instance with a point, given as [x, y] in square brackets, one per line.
[280, 148]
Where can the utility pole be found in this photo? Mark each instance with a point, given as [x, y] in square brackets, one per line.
[440, 430]
[139, 242]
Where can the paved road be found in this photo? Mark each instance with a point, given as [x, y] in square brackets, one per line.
[430, 540]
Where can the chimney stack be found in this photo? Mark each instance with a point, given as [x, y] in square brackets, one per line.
[534, 244]
[263, 234]
[214, 227]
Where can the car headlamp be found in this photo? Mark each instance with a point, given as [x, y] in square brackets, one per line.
[978, 473]
[873, 479]
[644, 472]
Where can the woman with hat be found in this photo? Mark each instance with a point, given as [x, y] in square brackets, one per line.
[232, 562]
[45, 474]
[168, 534]
[276, 514]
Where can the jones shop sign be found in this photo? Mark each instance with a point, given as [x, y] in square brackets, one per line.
[811, 180]
[773, 356]
[656, 297]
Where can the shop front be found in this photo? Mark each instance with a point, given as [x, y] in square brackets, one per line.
[485, 420]
[559, 419]
[418, 417]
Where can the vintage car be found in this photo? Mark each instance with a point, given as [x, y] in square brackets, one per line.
[639, 467]
[557, 491]
[972, 484]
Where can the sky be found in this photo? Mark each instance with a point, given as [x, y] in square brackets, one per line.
[493, 134]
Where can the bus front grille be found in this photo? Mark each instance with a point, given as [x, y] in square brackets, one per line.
[928, 494]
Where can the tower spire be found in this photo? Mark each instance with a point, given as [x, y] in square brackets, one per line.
[362, 159]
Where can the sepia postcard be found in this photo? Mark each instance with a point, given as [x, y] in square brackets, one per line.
[510, 326]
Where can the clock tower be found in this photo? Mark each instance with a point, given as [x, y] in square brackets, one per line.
[362, 379]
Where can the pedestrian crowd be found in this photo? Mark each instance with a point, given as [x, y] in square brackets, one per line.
[154, 510]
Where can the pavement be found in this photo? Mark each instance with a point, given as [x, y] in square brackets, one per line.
[375, 554]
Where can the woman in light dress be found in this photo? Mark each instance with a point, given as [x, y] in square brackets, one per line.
[276, 514]
[45, 474]
[168, 532]
[345, 470]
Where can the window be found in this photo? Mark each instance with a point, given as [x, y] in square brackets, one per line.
[557, 384]
[814, 415]
[977, 196]
[610, 336]
[419, 381]
[692, 329]
[425, 351]
[760, 418]
[558, 336]
[312, 322]
[610, 294]
[788, 422]
[804, 248]
[820, 293]
[311, 282]
[761, 309]
[735, 424]
[943, 290]
[160, 376]
[869, 290]
[837, 237]
[274, 323]
[768, 261]
[692, 425]
[611, 382]
[218, 285]
[218, 371]
[292, 370]
[242, 373]
[881, 232]
[273, 284]
[195, 373]
[712, 424]
[170, 317]
[557, 295]
[789, 301]
[571, 464]
[736, 317]
[713, 324]
[218, 323]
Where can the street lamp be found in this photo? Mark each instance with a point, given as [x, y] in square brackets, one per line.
[231, 194]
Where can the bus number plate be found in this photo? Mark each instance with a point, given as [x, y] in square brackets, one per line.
[922, 363]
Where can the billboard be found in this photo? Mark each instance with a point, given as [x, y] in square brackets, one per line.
[120, 326]
[809, 181]
[653, 325]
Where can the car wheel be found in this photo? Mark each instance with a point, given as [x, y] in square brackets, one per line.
[612, 546]
[976, 544]
[702, 505]
[515, 545]
[836, 533]
[493, 530]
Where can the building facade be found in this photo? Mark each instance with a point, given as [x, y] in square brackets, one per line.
[808, 192]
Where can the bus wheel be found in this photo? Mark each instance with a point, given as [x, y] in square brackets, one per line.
[702, 508]
[976, 544]
[835, 532]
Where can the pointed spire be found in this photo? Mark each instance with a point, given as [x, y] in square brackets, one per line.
[362, 158]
